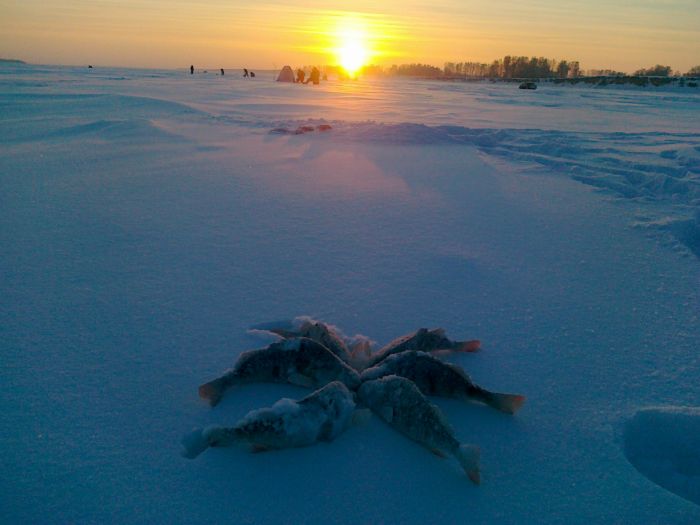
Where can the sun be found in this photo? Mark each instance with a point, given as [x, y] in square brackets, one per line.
[352, 51]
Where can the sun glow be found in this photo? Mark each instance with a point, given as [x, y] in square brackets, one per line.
[352, 52]
[352, 45]
[352, 40]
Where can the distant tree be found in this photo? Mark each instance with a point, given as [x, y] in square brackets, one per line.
[605, 73]
[372, 70]
[416, 70]
[519, 67]
[475, 69]
[574, 69]
[532, 69]
[563, 69]
[494, 69]
[545, 67]
[507, 66]
[693, 72]
[657, 71]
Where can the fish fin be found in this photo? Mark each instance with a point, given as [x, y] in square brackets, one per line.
[361, 416]
[285, 329]
[298, 379]
[285, 334]
[459, 370]
[284, 324]
[360, 353]
[459, 346]
[360, 347]
[194, 443]
[508, 403]
[439, 453]
[468, 457]
[212, 391]
[468, 346]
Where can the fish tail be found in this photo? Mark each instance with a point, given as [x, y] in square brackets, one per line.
[213, 391]
[468, 457]
[508, 403]
[468, 346]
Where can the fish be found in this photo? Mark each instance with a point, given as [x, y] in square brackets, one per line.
[323, 333]
[435, 377]
[399, 402]
[321, 416]
[299, 361]
[424, 340]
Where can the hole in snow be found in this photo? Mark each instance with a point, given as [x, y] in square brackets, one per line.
[664, 445]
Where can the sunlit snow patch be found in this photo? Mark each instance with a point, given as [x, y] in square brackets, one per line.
[664, 445]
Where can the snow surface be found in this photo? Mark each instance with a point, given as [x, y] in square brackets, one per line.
[149, 218]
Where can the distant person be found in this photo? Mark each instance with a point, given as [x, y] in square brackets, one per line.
[222, 71]
[252, 74]
[245, 73]
[89, 67]
[191, 70]
[300, 76]
[314, 76]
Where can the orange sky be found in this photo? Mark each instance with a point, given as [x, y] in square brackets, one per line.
[619, 34]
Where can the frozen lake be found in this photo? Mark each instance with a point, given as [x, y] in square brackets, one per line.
[149, 218]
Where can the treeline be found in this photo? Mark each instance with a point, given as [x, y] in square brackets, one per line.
[656, 71]
[517, 67]
[506, 68]
[414, 70]
[666, 71]
[604, 73]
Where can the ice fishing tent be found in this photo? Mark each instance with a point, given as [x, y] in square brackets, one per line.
[286, 75]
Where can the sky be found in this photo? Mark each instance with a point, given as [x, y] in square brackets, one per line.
[618, 34]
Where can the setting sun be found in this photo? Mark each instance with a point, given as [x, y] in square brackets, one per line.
[352, 52]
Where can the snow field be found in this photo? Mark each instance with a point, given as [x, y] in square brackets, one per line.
[147, 222]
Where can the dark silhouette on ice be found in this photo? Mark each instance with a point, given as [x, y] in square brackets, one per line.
[314, 76]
